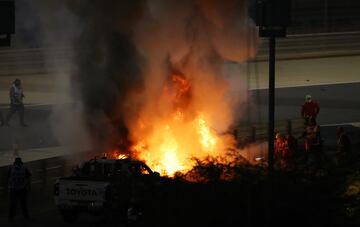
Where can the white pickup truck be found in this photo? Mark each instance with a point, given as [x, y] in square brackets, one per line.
[103, 186]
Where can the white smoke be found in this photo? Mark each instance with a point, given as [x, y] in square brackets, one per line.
[57, 29]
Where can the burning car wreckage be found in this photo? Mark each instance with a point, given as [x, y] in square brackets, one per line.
[118, 185]
[111, 186]
[117, 188]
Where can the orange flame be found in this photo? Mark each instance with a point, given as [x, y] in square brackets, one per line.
[168, 143]
[207, 139]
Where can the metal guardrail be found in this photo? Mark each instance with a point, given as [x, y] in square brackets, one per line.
[313, 46]
[324, 15]
[258, 132]
[34, 60]
[46, 171]
[48, 60]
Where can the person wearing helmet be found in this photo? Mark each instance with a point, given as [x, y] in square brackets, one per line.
[310, 109]
[279, 149]
[279, 142]
[18, 185]
[16, 102]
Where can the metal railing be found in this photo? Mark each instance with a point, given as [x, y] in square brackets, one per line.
[50, 60]
[34, 61]
[258, 132]
[46, 171]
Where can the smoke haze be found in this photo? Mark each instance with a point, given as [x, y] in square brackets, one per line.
[127, 49]
[123, 56]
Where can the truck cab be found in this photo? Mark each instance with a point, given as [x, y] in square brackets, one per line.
[103, 186]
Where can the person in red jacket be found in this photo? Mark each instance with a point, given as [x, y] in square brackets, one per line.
[310, 109]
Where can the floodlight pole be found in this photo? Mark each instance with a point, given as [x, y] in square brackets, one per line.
[272, 17]
[271, 102]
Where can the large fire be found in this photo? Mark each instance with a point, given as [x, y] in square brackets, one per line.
[162, 80]
[177, 138]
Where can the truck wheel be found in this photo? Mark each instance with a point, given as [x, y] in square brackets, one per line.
[69, 216]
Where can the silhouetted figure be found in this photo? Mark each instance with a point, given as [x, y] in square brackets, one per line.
[310, 109]
[18, 184]
[313, 142]
[16, 102]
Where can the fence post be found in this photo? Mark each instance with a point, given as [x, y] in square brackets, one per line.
[289, 127]
[44, 174]
[15, 147]
[253, 133]
[63, 171]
